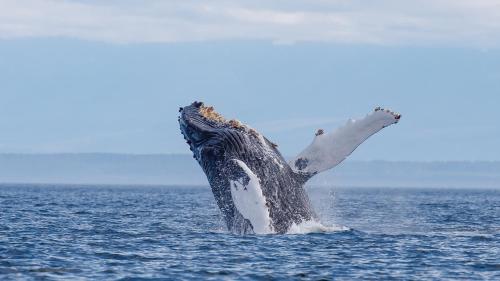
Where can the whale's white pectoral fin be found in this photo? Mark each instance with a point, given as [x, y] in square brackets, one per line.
[248, 198]
[328, 150]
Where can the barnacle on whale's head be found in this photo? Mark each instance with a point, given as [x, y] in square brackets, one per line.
[235, 123]
[210, 113]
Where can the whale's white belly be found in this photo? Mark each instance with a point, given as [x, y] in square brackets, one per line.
[250, 201]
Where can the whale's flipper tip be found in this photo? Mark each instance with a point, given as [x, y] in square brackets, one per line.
[388, 112]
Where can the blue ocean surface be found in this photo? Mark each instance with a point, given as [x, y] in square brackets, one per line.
[70, 232]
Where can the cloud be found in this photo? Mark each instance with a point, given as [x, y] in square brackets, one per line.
[426, 22]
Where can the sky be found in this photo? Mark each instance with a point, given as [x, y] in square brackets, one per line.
[109, 76]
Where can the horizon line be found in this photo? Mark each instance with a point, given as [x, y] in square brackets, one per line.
[189, 155]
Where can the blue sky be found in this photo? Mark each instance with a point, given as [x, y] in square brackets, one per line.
[83, 76]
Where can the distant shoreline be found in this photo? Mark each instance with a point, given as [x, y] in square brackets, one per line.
[182, 170]
[207, 187]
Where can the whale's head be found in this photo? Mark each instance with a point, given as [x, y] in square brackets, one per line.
[196, 127]
[211, 137]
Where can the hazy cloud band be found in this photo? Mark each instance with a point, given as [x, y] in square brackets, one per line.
[426, 22]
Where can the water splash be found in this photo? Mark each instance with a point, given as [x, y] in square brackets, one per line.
[313, 226]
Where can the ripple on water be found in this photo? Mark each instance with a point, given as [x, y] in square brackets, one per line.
[145, 233]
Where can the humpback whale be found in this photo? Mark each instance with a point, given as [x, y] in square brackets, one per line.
[256, 189]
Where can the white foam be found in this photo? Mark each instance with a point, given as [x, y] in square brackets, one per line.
[313, 226]
[250, 201]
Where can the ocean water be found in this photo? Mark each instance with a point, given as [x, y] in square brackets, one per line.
[175, 233]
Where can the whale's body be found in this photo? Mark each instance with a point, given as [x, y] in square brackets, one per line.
[256, 190]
